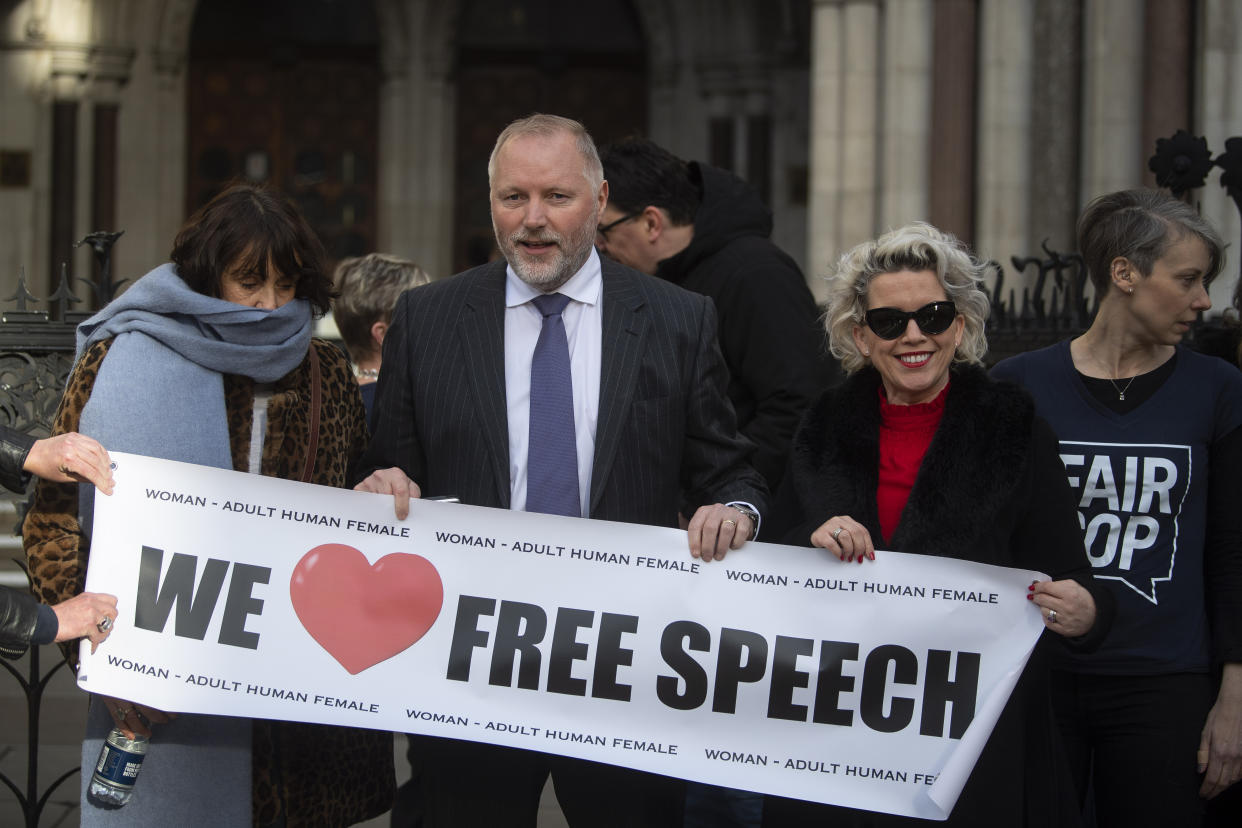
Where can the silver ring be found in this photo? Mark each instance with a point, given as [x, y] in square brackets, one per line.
[123, 712]
[1052, 616]
[104, 625]
[837, 531]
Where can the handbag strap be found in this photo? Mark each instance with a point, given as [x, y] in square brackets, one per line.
[316, 396]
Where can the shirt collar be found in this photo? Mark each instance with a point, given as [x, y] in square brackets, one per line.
[584, 286]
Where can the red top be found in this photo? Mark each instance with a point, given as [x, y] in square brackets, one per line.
[905, 433]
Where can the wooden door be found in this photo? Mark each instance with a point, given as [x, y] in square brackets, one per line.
[296, 107]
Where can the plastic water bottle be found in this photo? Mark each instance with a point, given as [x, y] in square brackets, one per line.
[112, 783]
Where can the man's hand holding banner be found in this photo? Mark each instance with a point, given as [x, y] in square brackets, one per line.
[780, 669]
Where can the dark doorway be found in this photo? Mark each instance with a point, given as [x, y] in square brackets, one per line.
[582, 60]
[286, 92]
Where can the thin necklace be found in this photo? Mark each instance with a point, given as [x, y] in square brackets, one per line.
[367, 373]
[1121, 392]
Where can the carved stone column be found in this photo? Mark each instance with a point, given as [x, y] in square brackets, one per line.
[905, 139]
[1005, 83]
[1167, 68]
[844, 121]
[63, 190]
[1218, 116]
[1112, 132]
[417, 125]
[953, 118]
[110, 69]
[1055, 124]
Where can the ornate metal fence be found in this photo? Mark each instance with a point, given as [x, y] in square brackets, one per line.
[1054, 306]
[1051, 308]
[36, 355]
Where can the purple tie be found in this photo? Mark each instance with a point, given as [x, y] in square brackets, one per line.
[552, 461]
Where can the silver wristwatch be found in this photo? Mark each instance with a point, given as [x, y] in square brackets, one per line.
[750, 513]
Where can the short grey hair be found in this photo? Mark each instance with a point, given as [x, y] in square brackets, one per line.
[548, 126]
[369, 287]
[914, 247]
[1140, 226]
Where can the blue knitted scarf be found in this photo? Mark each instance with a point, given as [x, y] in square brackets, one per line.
[160, 391]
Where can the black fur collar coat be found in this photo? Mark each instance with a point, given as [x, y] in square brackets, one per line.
[991, 489]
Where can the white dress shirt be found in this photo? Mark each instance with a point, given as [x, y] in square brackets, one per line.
[584, 330]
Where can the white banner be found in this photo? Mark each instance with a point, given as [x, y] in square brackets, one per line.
[780, 669]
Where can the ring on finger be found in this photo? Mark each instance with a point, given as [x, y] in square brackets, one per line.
[836, 532]
[104, 624]
[122, 713]
[1052, 616]
[728, 521]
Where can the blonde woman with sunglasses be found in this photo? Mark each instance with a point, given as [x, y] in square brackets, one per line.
[919, 451]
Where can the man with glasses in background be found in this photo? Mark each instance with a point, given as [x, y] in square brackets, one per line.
[708, 231]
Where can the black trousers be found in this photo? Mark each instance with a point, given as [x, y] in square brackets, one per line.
[462, 784]
[1134, 740]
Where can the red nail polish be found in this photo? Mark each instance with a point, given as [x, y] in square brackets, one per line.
[1030, 597]
[1031, 588]
[860, 557]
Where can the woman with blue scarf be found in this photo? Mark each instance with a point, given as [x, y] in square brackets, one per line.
[209, 359]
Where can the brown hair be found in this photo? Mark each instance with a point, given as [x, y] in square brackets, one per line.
[258, 228]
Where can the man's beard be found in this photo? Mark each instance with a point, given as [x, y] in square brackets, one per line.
[550, 272]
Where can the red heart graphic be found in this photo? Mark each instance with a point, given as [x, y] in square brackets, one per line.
[363, 614]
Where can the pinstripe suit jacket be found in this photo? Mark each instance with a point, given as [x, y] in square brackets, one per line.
[666, 434]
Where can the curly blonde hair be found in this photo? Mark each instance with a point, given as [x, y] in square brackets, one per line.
[915, 247]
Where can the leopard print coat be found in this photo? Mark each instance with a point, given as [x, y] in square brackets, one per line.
[292, 785]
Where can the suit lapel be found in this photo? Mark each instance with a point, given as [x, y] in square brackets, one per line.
[624, 331]
[482, 332]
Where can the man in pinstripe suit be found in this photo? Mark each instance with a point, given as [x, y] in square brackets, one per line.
[654, 430]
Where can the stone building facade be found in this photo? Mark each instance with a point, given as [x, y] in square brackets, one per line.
[996, 119]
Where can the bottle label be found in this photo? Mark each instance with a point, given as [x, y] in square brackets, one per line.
[118, 768]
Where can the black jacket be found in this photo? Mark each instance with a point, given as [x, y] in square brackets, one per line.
[769, 332]
[18, 613]
[14, 446]
[991, 489]
[18, 616]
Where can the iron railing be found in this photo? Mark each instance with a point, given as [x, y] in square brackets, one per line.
[36, 355]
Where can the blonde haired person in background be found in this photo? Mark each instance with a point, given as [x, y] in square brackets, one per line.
[369, 287]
